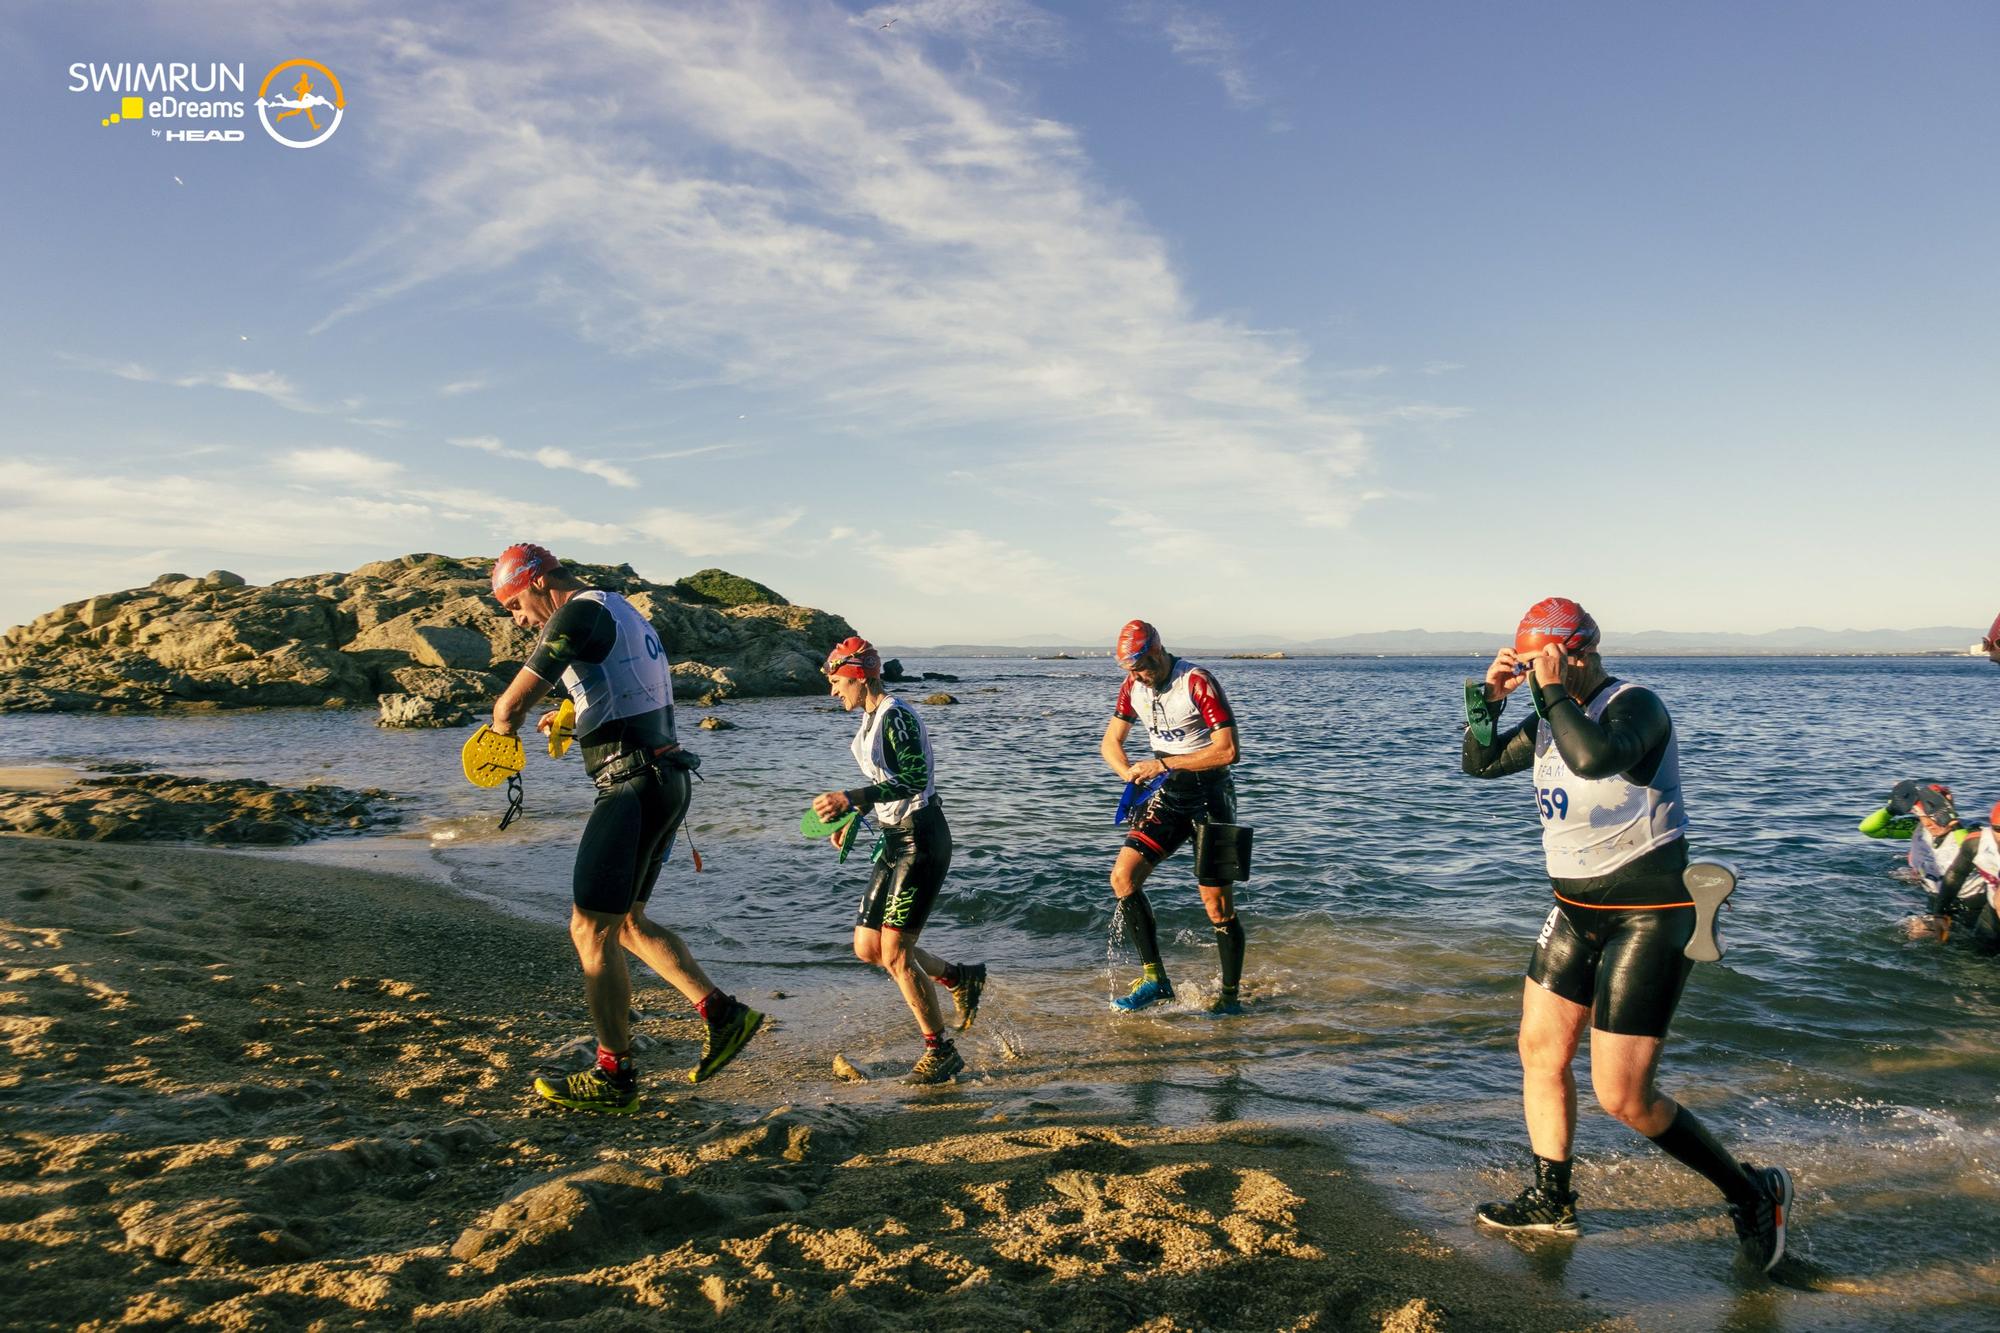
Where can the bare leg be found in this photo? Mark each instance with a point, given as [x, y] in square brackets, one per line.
[662, 950]
[886, 948]
[1621, 1073]
[607, 989]
[1550, 1029]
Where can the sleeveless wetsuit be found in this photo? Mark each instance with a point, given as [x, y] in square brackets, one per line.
[1608, 792]
[614, 668]
[1181, 717]
[894, 753]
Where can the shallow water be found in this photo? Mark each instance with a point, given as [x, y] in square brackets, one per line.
[1392, 908]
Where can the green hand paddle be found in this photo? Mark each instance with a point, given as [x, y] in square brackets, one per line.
[814, 827]
[1478, 712]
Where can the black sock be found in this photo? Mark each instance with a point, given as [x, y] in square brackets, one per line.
[949, 976]
[1140, 925]
[1553, 1176]
[1229, 944]
[1694, 1147]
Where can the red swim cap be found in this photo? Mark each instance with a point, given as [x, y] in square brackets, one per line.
[1555, 620]
[1136, 640]
[855, 658]
[1994, 818]
[1992, 639]
[517, 567]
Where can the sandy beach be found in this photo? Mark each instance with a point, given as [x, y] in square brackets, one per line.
[253, 1093]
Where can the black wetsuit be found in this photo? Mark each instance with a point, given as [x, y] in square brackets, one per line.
[641, 774]
[915, 852]
[1616, 942]
[1975, 912]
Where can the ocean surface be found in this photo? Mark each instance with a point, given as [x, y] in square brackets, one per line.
[1393, 906]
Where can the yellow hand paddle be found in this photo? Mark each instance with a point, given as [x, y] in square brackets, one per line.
[563, 730]
[489, 758]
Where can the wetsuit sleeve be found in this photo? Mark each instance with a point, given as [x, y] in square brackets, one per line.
[1209, 700]
[1633, 727]
[903, 751]
[1961, 866]
[579, 631]
[1122, 710]
[1511, 751]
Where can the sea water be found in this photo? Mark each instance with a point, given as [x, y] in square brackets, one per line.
[1393, 905]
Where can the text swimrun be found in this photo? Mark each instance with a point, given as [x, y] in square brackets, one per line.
[159, 77]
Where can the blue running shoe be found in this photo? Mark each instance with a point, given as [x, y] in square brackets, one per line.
[1144, 995]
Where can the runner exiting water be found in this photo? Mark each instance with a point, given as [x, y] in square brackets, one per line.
[1193, 738]
[606, 655]
[894, 752]
[1607, 784]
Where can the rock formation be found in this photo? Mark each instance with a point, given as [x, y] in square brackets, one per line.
[418, 635]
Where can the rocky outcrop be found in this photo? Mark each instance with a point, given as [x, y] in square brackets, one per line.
[418, 635]
[164, 807]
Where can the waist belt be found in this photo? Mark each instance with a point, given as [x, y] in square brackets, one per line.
[629, 764]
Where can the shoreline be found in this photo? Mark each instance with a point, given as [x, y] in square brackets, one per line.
[277, 1091]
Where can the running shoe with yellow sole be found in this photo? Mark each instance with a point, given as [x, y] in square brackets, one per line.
[722, 1041]
[590, 1091]
[965, 995]
[939, 1064]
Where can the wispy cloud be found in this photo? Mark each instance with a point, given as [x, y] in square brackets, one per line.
[1204, 41]
[264, 383]
[861, 224]
[471, 384]
[985, 24]
[558, 460]
[715, 534]
[339, 465]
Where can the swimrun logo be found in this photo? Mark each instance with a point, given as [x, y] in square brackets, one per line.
[300, 102]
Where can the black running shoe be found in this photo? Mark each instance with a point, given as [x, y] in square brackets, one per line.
[1533, 1209]
[592, 1090]
[940, 1064]
[965, 995]
[1760, 1226]
[721, 1042]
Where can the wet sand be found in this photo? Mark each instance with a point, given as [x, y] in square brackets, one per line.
[250, 1092]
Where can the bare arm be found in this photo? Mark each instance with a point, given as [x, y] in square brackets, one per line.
[1112, 747]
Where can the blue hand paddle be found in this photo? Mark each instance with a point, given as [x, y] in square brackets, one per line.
[1135, 798]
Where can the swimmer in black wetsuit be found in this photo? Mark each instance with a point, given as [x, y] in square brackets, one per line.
[607, 656]
[894, 753]
[1970, 889]
[1607, 784]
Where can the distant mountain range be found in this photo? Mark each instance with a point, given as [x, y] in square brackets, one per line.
[1803, 640]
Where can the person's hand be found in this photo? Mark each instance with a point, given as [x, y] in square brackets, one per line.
[1549, 666]
[830, 805]
[546, 722]
[841, 835]
[1145, 771]
[500, 727]
[1505, 675]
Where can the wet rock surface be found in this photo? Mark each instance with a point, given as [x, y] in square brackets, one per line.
[147, 807]
[418, 636]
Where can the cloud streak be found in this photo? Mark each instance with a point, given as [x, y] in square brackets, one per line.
[556, 460]
[778, 194]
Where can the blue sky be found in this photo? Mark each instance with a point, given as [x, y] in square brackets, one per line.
[1005, 320]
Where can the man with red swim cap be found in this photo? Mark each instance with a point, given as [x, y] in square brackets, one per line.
[1991, 643]
[1612, 951]
[893, 750]
[609, 659]
[1192, 733]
